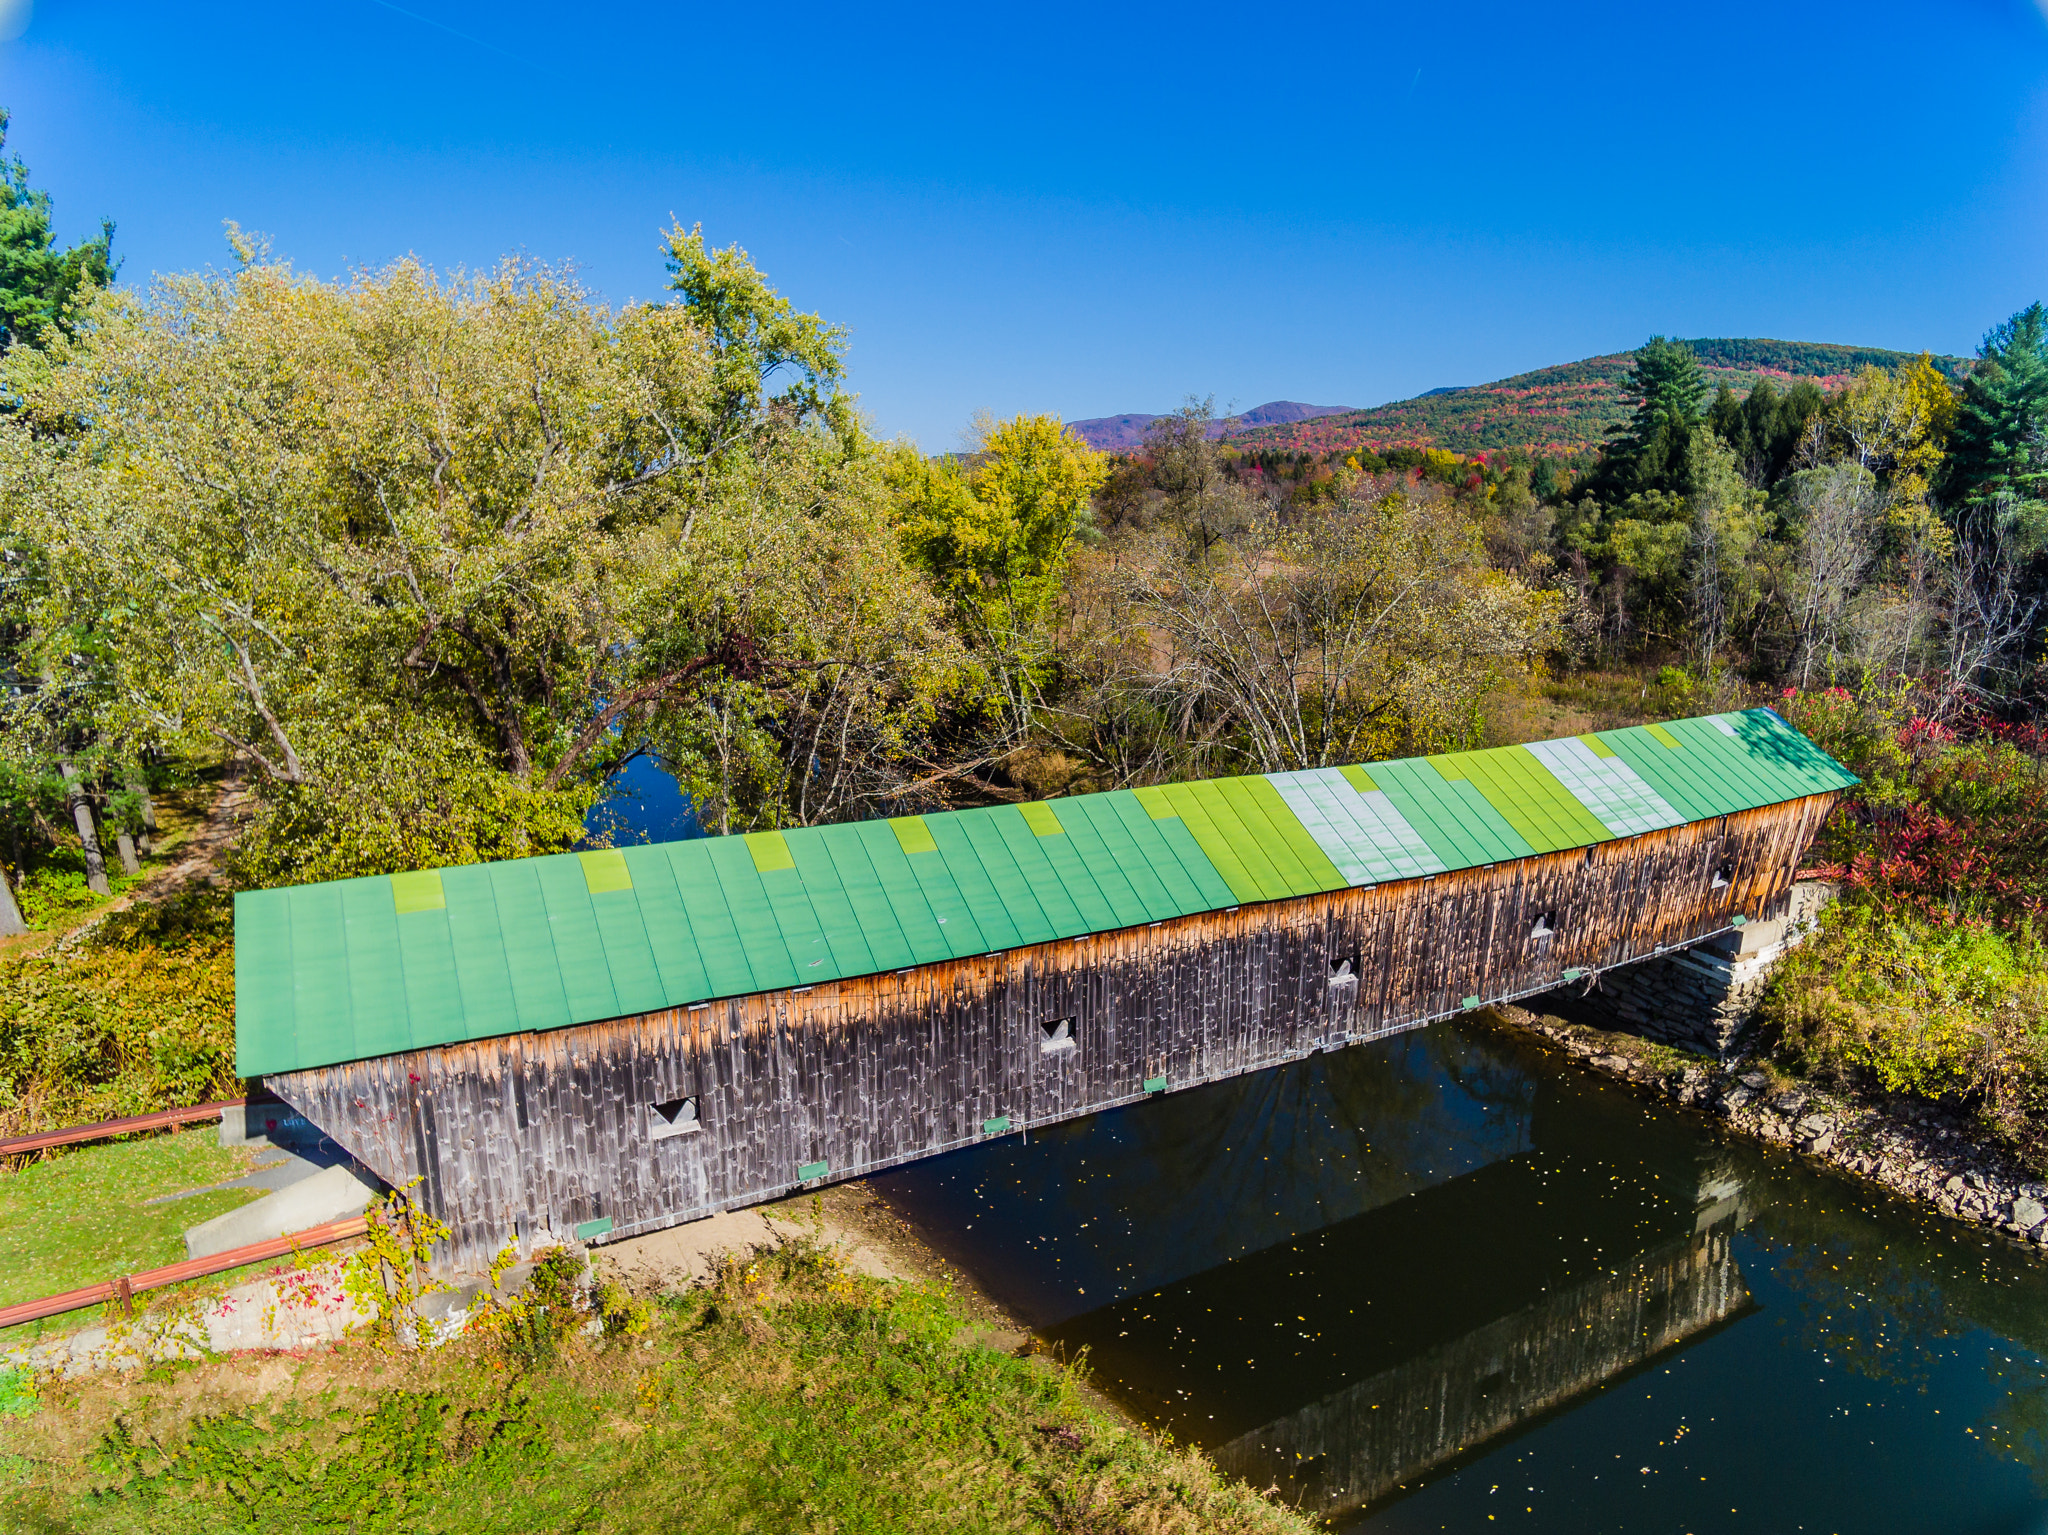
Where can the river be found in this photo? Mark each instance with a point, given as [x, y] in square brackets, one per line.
[1444, 1280]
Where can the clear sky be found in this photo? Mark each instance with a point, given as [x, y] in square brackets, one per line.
[1088, 209]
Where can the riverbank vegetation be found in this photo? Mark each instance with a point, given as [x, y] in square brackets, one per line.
[1928, 978]
[790, 1394]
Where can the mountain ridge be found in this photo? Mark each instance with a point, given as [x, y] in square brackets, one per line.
[1120, 433]
[1562, 409]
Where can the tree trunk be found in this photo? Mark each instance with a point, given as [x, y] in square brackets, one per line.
[81, 812]
[125, 846]
[138, 786]
[11, 925]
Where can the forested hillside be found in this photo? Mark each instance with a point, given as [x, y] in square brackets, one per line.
[1564, 409]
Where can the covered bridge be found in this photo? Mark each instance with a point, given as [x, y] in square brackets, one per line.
[595, 1044]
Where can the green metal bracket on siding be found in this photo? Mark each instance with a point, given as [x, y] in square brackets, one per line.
[1155, 1084]
[995, 1126]
[597, 1228]
[1738, 921]
[1573, 975]
[1470, 1003]
[810, 1170]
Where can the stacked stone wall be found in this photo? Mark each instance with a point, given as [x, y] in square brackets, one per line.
[1702, 998]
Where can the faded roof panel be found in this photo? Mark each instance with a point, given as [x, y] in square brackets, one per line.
[337, 972]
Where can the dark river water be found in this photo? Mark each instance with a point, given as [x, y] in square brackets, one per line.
[1441, 1281]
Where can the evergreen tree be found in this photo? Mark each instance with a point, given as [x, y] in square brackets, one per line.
[1764, 428]
[1648, 452]
[1995, 448]
[36, 279]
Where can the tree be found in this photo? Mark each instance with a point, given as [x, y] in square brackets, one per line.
[1838, 508]
[437, 555]
[1197, 496]
[1648, 451]
[2001, 414]
[1726, 525]
[38, 282]
[1371, 628]
[1896, 424]
[1764, 427]
[1994, 490]
[995, 533]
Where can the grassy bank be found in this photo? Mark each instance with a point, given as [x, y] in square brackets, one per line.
[88, 1216]
[792, 1395]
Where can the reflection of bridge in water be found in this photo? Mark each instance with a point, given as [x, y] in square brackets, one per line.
[1423, 1329]
[1363, 1442]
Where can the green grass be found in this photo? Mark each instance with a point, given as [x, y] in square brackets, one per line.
[792, 1396]
[80, 1218]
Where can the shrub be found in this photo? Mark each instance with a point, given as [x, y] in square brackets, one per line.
[139, 1015]
[1939, 1010]
[1950, 822]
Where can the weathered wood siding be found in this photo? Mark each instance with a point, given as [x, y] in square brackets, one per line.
[536, 1134]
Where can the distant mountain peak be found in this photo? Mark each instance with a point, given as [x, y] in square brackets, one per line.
[1122, 433]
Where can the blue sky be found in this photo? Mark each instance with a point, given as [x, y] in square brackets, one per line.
[1090, 209]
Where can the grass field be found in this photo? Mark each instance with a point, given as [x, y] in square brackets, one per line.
[793, 1395]
[84, 1216]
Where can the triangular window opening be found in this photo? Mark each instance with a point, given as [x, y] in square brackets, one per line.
[1059, 1036]
[1542, 930]
[1342, 991]
[1723, 875]
[676, 1117]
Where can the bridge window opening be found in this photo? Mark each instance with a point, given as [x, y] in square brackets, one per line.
[1342, 991]
[1543, 929]
[1724, 875]
[676, 1117]
[1058, 1036]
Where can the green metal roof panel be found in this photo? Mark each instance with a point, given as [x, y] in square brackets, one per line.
[882, 925]
[899, 886]
[669, 935]
[1454, 818]
[1243, 867]
[983, 871]
[328, 973]
[712, 922]
[1614, 794]
[1543, 811]
[1080, 850]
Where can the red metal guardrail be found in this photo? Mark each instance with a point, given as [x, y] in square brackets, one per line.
[106, 1128]
[128, 1285]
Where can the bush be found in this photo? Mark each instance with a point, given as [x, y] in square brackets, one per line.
[1950, 822]
[139, 1015]
[791, 1394]
[1937, 1010]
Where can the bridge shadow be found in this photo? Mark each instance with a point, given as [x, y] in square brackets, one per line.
[1135, 1199]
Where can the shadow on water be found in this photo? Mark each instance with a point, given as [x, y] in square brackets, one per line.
[1439, 1278]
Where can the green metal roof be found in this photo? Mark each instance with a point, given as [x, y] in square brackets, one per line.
[364, 967]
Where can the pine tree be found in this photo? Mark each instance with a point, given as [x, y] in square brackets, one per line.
[1995, 448]
[36, 279]
[1647, 452]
